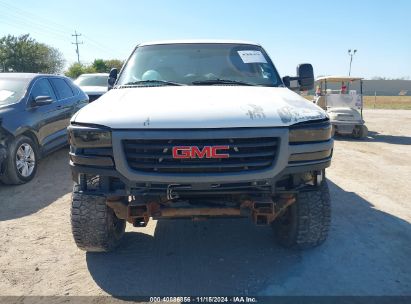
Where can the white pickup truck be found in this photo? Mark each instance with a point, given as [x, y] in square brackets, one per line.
[198, 129]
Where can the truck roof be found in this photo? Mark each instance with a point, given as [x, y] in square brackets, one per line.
[337, 78]
[194, 41]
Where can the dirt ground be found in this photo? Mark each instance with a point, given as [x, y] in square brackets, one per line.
[368, 251]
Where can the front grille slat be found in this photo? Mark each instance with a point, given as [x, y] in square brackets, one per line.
[199, 166]
[245, 154]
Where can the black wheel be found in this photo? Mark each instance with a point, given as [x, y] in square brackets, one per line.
[363, 132]
[21, 163]
[360, 131]
[94, 225]
[306, 223]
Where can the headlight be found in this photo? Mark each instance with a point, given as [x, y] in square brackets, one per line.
[309, 132]
[89, 137]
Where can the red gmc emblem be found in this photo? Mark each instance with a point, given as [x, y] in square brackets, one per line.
[182, 152]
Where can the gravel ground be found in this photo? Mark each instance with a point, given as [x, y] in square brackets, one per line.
[368, 251]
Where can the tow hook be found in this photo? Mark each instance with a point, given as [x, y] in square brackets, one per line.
[263, 213]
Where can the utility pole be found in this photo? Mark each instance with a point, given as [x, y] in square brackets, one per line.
[351, 53]
[77, 43]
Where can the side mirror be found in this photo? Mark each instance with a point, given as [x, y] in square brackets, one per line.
[304, 79]
[291, 83]
[112, 77]
[42, 100]
[305, 74]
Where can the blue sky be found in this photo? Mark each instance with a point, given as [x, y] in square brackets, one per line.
[318, 32]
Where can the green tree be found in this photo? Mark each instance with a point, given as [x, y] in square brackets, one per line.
[25, 54]
[99, 65]
[114, 63]
[76, 69]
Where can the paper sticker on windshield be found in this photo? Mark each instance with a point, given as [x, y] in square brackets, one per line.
[252, 56]
[4, 94]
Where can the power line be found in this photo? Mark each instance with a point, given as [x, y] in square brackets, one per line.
[77, 43]
[47, 24]
[35, 18]
[33, 29]
[30, 22]
[36, 23]
[104, 48]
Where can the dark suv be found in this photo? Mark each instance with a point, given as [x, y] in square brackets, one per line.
[35, 111]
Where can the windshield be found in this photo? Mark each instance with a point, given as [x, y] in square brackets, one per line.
[12, 90]
[200, 64]
[91, 81]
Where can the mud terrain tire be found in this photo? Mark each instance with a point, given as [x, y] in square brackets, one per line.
[305, 224]
[94, 225]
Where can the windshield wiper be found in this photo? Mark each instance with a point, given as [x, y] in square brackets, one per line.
[143, 82]
[221, 81]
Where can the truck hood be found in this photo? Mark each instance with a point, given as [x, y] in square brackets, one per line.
[198, 107]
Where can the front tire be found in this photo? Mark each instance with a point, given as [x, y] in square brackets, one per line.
[22, 161]
[305, 223]
[94, 225]
[360, 132]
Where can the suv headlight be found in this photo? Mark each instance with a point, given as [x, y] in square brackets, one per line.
[310, 132]
[89, 137]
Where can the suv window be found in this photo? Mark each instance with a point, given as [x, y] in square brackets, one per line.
[63, 89]
[73, 87]
[92, 80]
[42, 87]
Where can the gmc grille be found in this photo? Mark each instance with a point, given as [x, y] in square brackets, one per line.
[246, 154]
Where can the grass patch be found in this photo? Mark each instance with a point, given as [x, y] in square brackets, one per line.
[388, 102]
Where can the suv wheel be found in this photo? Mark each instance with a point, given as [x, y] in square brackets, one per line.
[305, 223]
[21, 163]
[360, 131]
[94, 225]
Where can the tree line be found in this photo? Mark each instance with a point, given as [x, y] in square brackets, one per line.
[98, 66]
[387, 78]
[25, 54]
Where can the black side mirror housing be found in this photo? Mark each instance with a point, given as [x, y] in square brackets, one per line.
[112, 77]
[286, 80]
[305, 74]
[42, 100]
[291, 83]
[304, 79]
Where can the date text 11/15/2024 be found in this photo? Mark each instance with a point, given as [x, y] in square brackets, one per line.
[239, 299]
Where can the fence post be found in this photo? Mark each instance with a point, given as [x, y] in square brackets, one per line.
[375, 98]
